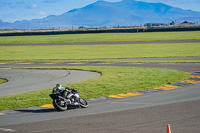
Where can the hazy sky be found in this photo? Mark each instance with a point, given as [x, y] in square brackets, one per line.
[17, 10]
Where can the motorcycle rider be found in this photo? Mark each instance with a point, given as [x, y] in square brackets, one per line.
[59, 88]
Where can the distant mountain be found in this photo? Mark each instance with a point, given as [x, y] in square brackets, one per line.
[102, 13]
[3, 24]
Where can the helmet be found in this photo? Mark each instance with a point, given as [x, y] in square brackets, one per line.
[58, 85]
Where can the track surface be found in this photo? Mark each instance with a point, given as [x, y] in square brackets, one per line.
[183, 117]
[22, 80]
[187, 67]
[147, 113]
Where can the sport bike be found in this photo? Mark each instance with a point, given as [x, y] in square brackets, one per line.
[63, 99]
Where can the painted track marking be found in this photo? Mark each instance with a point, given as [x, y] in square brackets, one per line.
[49, 63]
[191, 81]
[75, 63]
[130, 94]
[47, 106]
[7, 130]
[25, 63]
[167, 87]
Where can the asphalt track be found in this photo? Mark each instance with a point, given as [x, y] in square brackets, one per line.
[149, 113]
[25, 80]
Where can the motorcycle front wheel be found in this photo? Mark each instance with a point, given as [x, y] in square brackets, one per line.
[83, 103]
[58, 105]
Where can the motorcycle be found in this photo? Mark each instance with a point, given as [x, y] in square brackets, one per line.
[63, 99]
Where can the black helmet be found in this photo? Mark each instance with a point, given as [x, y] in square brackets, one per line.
[58, 85]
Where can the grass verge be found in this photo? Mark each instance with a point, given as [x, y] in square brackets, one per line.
[98, 61]
[3, 81]
[70, 52]
[114, 80]
[101, 37]
[150, 61]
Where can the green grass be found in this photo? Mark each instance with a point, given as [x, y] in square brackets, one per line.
[139, 61]
[114, 80]
[70, 52]
[151, 61]
[101, 37]
[3, 81]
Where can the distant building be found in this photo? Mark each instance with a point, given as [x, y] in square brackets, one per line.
[172, 23]
[187, 23]
[154, 24]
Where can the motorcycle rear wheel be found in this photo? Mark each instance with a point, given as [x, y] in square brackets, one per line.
[83, 103]
[59, 107]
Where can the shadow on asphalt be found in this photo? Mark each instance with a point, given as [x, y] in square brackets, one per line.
[43, 110]
[36, 111]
